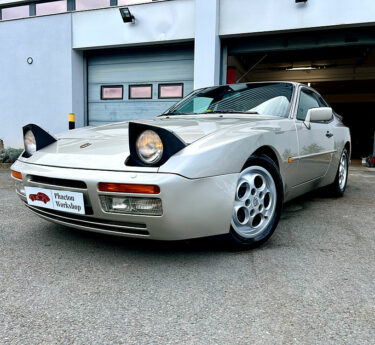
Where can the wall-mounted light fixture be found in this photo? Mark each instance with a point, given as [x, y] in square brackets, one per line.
[29, 60]
[126, 15]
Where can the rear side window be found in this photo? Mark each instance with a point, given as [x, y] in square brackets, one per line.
[306, 101]
[322, 102]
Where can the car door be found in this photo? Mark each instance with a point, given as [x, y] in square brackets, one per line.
[315, 144]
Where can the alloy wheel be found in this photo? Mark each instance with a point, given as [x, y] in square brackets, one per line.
[255, 202]
[343, 171]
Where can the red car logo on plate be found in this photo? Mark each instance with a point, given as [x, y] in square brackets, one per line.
[39, 197]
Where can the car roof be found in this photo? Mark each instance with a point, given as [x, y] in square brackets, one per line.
[260, 82]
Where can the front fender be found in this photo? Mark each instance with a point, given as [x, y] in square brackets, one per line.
[226, 151]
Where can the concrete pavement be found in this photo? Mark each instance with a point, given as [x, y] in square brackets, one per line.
[312, 283]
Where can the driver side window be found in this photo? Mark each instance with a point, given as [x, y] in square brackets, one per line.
[306, 101]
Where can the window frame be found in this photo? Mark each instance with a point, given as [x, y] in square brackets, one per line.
[139, 85]
[102, 98]
[170, 84]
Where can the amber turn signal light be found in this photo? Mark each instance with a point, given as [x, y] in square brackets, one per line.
[129, 188]
[16, 174]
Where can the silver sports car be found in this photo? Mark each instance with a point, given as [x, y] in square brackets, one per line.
[222, 161]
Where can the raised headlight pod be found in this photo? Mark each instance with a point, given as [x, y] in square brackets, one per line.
[30, 142]
[35, 138]
[149, 147]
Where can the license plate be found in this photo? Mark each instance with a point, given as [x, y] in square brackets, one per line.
[58, 200]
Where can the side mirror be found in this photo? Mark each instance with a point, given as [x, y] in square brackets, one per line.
[318, 114]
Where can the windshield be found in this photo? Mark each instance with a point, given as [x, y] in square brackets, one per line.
[254, 98]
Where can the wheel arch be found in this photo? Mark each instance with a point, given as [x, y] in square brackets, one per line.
[269, 152]
[348, 147]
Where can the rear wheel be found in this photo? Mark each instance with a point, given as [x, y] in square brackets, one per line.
[257, 204]
[339, 185]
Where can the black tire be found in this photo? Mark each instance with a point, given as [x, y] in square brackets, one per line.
[235, 239]
[336, 189]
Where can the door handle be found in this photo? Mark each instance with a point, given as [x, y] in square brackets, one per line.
[329, 134]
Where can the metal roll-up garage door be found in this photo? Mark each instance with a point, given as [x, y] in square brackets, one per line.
[150, 69]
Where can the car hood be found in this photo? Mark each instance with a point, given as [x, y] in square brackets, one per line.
[106, 147]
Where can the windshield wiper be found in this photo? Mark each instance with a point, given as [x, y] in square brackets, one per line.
[211, 112]
[176, 113]
[171, 113]
[230, 112]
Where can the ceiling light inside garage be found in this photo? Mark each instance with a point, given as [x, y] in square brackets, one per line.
[303, 68]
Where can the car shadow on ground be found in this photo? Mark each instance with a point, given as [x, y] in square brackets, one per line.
[217, 244]
[211, 244]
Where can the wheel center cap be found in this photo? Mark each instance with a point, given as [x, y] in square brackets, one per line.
[255, 202]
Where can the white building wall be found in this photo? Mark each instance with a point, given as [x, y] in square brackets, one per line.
[158, 22]
[254, 16]
[42, 92]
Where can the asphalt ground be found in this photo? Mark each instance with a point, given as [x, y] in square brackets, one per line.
[312, 283]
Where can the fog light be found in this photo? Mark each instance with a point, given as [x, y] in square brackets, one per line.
[130, 205]
[20, 188]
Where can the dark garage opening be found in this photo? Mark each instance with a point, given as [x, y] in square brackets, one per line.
[355, 101]
[338, 64]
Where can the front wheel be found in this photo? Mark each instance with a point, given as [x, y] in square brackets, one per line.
[258, 203]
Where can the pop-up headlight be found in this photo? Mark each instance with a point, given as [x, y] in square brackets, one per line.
[30, 142]
[35, 138]
[149, 147]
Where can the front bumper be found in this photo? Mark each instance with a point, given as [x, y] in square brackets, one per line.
[191, 207]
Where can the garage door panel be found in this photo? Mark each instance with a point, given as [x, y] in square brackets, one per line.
[163, 65]
[95, 89]
[120, 111]
[136, 72]
[134, 57]
[152, 65]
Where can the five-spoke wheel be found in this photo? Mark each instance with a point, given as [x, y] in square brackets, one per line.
[254, 202]
[257, 202]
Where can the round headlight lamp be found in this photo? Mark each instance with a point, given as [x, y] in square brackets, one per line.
[149, 147]
[30, 142]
